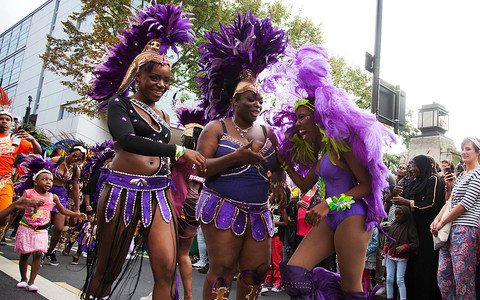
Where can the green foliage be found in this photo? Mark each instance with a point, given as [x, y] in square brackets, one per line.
[73, 58]
[410, 131]
[354, 80]
[392, 161]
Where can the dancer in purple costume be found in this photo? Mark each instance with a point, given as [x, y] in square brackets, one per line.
[138, 185]
[66, 169]
[233, 206]
[325, 137]
[187, 189]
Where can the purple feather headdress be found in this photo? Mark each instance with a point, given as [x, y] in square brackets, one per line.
[190, 115]
[99, 154]
[31, 164]
[305, 73]
[248, 44]
[157, 28]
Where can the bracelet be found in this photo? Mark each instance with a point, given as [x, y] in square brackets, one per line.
[341, 203]
[284, 166]
[179, 151]
[279, 183]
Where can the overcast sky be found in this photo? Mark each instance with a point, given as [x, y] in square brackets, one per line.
[430, 48]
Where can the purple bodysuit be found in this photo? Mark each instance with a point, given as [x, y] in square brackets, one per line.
[338, 181]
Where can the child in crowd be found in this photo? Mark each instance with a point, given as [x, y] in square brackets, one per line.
[406, 241]
[32, 235]
[273, 276]
[371, 259]
[86, 240]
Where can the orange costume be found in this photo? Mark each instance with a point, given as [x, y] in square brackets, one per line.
[8, 152]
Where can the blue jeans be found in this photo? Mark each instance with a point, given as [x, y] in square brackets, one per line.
[202, 248]
[400, 267]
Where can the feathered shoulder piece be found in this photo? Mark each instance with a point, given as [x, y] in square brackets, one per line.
[153, 31]
[303, 78]
[238, 52]
[98, 155]
[31, 165]
[5, 103]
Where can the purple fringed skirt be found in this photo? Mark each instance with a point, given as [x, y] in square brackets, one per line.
[146, 188]
[228, 213]
[61, 193]
[87, 239]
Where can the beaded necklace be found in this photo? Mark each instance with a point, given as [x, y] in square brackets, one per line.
[240, 130]
[321, 182]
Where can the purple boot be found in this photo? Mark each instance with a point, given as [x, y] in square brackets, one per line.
[355, 296]
[297, 282]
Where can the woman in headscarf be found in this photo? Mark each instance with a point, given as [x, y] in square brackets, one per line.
[425, 195]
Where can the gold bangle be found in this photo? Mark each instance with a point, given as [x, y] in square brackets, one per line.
[280, 183]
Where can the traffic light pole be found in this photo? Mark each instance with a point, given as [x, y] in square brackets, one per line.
[376, 60]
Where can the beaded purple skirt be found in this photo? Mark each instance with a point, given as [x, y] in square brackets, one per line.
[145, 188]
[228, 213]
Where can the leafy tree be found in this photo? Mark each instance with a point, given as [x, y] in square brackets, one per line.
[75, 56]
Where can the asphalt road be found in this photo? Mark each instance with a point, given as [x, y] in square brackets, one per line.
[65, 280]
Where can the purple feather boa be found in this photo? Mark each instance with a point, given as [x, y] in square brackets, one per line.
[248, 43]
[306, 73]
[167, 23]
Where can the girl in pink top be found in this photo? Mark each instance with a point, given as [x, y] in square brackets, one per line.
[32, 235]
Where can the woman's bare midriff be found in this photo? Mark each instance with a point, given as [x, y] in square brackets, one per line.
[131, 163]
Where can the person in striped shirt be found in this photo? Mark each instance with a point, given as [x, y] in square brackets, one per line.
[457, 259]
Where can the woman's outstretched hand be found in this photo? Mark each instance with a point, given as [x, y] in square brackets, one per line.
[196, 158]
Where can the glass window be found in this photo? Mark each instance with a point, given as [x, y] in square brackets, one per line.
[7, 71]
[64, 114]
[4, 46]
[14, 40]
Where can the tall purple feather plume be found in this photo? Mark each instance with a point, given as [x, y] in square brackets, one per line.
[31, 164]
[306, 73]
[190, 112]
[167, 23]
[98, 155]
[247, 43]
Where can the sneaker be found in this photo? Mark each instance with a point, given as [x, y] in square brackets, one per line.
[199, 265]
[276, 288]
[204, 270]
[32, 288]
[75, 260]
[264, 290]
[52, 258]
[84, 254]
[22, 285]
[42, 259]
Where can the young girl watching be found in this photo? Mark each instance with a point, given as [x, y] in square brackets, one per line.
[32, 235]
[406, 241]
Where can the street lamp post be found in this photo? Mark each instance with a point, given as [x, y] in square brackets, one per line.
[27, 111]
[376, 58]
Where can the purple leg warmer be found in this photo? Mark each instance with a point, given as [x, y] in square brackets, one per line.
[297, 282]
[355, 296]
[321, 284]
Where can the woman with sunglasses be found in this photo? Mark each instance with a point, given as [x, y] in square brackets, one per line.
[66, 169]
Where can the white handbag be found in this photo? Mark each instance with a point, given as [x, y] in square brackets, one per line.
[444, 232]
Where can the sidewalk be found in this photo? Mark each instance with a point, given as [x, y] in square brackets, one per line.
[10, 276]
